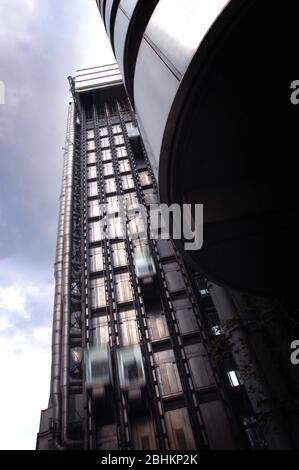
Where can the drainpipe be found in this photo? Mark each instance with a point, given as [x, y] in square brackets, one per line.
[55, 392]
[248, 367]
[66, 287]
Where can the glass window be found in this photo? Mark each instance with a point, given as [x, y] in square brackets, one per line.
[96, 259]
[95, 234]
[90, 145]
[110, 185]
[128, 182]
[119, 140]
[112, 205]
[97, 291]
[119, 256]
[136, 225]
[106, 155]
[157, 325]
[100, 330]
[131, 201]
[123, 288]
[150, 196]
[90, 134]
[128, 328]
[145, 178]
[108, 169]
[91, 158]
[233, 378]
[124, 166]
[167, 372]
[91, 172]
[104, 142]
[92, 189]
[121, 152]
[129, 125]
[116, 227]
[103, 131]
[116, 129]
[93, 208]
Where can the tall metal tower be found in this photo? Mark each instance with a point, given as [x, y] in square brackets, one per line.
[103, 303]
[145, 354]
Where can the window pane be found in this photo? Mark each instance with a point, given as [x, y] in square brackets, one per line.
[108, 169]
[92, 189]
[110, 185]
[97, 291]
[119, 256]
[116, 129]
[167, 372]
[116, 227]
[127, 182]
[119, 140]
[90, 145]
[233, 378]
[121, 152]
[91, 172]
[91, 158]
[90, 134]
[93, 208]
[94, 229]
[106, 155]
[145, 178]
[124, 166]
[131, 201]
[104, 142]
[103, 131]
[123, 288]
[96, 259]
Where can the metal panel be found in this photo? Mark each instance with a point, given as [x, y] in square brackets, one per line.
[216, 424]
[174, 277]
[120, 33]
[179, 430]
[199, 365]
[186, 320]
[164, 56]
[167, 372]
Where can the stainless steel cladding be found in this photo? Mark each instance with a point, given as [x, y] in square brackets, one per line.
[98, 370]
[196, 76]
[130, 368]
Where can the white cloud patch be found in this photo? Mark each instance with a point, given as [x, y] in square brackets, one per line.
[25, 367]
[25, 371]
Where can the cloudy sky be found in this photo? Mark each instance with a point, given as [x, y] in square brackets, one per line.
[41, 43]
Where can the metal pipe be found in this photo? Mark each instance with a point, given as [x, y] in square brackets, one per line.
[55, 394]
[248, 367]
[66, 276]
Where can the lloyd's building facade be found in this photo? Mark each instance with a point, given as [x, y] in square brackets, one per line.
[149, 352]
[172, 396]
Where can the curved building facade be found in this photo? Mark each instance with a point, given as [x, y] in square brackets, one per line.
[210, 85]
